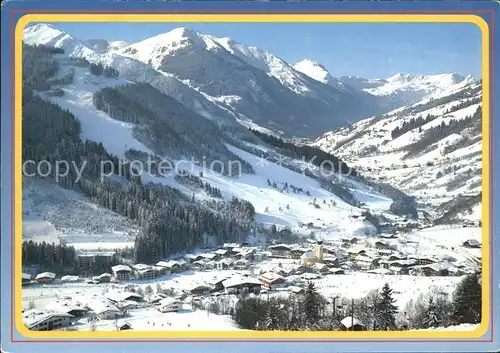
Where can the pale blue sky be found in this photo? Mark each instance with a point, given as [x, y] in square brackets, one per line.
[369, 50]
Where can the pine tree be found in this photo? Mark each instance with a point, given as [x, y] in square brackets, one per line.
[271, 320]
[311, 306]
[385, 315]
[467, 301]
[431, 317]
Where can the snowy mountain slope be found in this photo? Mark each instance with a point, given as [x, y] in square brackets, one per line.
[431, 149]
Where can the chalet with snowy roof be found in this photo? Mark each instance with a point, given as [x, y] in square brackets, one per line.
[352, 324]
[26, 278]
[68, 307]
[383, 245]
[336, 271]
[241, 264]
[222, 252]
[247, 253]
[45, 277]
[423, 260]
[224, 264]
[321, 268]
[331, 261]
[104, 309]
[143, 271]
[200, 289]
[117, 297]
[280, 251]
[429, 270]
[122, 326]
[44, 320]
[238, 285]
[231, 246]
[85, 259]
[69, 278]
[188, 257]
[169, 305]
[271, 280]
[121, 272]
[104, 278]
[472, 243]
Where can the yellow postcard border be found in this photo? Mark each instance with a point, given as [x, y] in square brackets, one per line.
[255, 18]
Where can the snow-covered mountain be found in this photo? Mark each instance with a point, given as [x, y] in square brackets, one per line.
[406, 89]
[318, 72]
[252, 83]
[431, 149]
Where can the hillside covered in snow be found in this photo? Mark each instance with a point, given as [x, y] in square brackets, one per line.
[431, 149]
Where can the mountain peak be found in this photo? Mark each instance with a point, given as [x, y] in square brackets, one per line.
[314, 70]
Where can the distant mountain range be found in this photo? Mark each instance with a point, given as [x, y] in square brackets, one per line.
[232, 83]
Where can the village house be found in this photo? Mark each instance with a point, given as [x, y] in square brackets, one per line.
[321, 268]
[85, 259]
[336, 271]
[231, 246]
[168, 305]
[73, 309]
[423, 260]
[143, 271]
[331, 261]
[281, 251]
[297, 253]
[38, 320]
[224, 264]
[472, 243]
[217, 284]
[45, 277]
[200, 289]
[429, 270]
[222, 252]
[104, 278]
[241, 264]
[117, 297]
[104, 310]
[238, 285]
[124, 326]
[188, 257]
[121, 272]
[69, 278]
[352, 324]
[383, 245]
[26, 278]
[272, 281]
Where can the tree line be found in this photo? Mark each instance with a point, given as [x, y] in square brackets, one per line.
[377, 311]
[317, 156]
[436, 133]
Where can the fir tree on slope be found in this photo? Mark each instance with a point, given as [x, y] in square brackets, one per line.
[431, 316]
[272, 319]
[385, 314]
[311, 306]
[467, 301]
